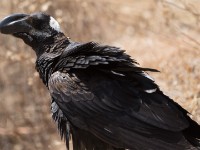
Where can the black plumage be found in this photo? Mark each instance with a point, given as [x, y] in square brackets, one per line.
[100, 95]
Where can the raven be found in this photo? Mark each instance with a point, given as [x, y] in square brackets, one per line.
[101, 96]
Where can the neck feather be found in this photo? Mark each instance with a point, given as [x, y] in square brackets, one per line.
[48, 55]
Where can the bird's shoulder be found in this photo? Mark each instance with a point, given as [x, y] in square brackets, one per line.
[83, 55]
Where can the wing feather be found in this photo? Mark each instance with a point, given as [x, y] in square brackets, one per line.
[115, 106]
[110, 110]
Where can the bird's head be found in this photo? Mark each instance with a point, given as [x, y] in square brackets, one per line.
[33, 29]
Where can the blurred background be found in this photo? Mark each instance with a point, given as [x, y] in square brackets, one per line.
[162, 34]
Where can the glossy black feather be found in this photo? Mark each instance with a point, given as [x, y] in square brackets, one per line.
[104, 93]
[115, 106]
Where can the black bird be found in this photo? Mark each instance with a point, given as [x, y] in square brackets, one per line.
[100, 95]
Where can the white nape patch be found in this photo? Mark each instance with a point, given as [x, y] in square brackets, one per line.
[147, 76]
[116, 73]
[151, 90]
[107, 130]
[54, 24]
